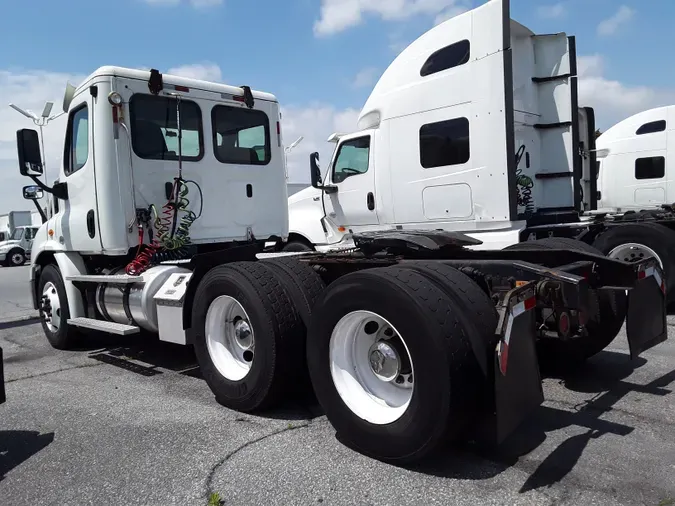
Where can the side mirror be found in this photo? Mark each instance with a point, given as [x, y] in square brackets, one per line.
[315, 171]
[28, 148]
[33, 192]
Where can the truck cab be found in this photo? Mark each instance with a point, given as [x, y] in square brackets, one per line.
[17, 249]
[635, 159]
[472, 131]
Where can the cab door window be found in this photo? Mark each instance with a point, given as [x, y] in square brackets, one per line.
[352, 159]
[77, 140]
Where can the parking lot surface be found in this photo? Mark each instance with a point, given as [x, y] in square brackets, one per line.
[129, 422]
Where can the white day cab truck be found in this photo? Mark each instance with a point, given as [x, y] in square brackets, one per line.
[17, 248]
[170, 188]
[449, 140]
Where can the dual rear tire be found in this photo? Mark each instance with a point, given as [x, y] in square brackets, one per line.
[390, 352]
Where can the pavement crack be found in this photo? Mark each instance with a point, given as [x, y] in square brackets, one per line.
[38, 375]
[224, 460]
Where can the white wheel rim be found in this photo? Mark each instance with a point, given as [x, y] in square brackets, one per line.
[51, 306]
[372, 371]
[633, 252]
[230, 338]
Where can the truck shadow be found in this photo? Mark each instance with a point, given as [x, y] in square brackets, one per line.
[604, 376]
[17, 446]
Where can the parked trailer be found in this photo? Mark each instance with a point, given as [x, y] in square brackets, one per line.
[409, 340]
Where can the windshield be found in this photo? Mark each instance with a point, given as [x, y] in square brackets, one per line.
[17, 234]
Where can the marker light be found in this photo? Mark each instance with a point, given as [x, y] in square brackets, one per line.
[114, 98]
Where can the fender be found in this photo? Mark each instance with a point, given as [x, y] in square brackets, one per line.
[70, 264]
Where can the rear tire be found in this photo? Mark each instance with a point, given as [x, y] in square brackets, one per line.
[615, 241]
[445, 375]
[53, 310]
[554, 353]
[478, 311]
[246, 292]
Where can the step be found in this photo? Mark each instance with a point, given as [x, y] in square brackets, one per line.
[109, 327]
[118, 279]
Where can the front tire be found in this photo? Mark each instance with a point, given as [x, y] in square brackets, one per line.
[425, 375]
[54, 311]
[248, 336]
[15, 258]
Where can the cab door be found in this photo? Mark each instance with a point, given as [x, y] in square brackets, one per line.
[352, 203]
[79, 224]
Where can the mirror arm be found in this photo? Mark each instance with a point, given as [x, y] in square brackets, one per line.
[60, 190]
[42, 213]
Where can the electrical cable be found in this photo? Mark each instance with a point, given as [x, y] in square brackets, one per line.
[524, 183]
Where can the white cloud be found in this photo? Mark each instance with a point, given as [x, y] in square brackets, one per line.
[450, 13]
[204, 71]
[610, 25]
[199, 4]
[365, 78]
[552, 11]
[315, 122]
[611, 99]
[339, 15]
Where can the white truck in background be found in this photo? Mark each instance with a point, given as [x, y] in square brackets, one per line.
[11, 220]
[431, 153]
[408, 340]
[636, 161]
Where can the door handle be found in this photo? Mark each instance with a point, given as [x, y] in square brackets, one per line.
[370, 200]
[91, 226]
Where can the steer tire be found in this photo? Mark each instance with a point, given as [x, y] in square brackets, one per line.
[658, 238]
[479, 315]
[15, 258]
[447, 379]
[277, 331]
[612, 306]
[295, 246]
[65, 337]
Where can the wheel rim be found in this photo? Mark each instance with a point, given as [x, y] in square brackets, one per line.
[17, 258]
[230, 338]
[51, 307]
[633, 252]
[371, 367]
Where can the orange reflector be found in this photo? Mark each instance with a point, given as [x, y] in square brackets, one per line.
[50, 232]
[520, 283]
[342, 229]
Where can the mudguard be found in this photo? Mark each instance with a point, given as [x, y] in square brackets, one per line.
[3, 396]
[517, 382]
[646, 324]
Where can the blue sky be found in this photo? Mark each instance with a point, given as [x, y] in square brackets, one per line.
[320, 57]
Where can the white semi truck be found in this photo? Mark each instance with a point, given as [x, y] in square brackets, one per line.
[170, 188]
[431, 152]
[10, 221]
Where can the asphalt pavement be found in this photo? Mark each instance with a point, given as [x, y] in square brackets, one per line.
[130, 422]
[15, 301]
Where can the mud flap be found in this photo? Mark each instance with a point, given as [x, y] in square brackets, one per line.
[646, 324]
[3, 396]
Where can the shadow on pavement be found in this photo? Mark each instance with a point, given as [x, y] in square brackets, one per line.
[19, 323]
[17, 446]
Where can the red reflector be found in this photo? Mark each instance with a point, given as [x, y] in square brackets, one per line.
[182, 88]
[530, 303]
[642, 274]
[278, 128]
[237, 98]
[115, 116]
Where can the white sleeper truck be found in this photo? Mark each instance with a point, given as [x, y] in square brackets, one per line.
[170, 189]
[451, 139]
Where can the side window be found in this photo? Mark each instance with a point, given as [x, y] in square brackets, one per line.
[650, 168]
[653, 127]
[352, 159]
[444, 143]
[447, 58]
[77, 140]
[154, 128]
[241, 136]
